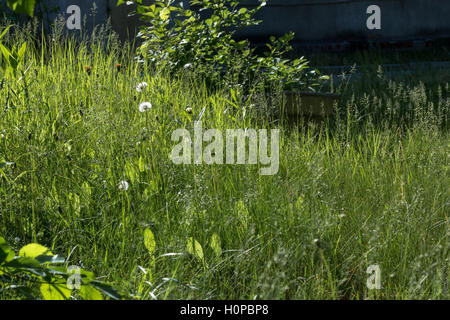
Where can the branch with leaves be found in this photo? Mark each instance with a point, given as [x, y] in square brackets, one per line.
[37, 273]
[22, 6]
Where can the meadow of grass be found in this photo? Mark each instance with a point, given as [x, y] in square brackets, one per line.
[368, 187]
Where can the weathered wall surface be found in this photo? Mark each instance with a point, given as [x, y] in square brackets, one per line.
[346, 19]
[313, 21]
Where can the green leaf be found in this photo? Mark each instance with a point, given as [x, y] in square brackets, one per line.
[194, 248]
[50, 259]
[106, 289]
[141, 164]
[23, 262]
[4, 32]
[164, 14]
[22, 51]
[149, 241]
[6, 254]
[22, 6]
[55, 291]
[33, 250]
[215, 245]
[88, 292]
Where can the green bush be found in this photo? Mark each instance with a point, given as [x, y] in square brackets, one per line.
[37, 273]
[22, 6]
[203, 39]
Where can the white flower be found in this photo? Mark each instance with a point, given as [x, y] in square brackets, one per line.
[123, 185]
[141, 86]
[144, 106]
[188, 65]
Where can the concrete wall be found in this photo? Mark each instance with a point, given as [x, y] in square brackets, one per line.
[331, 20]
[313, 21]
[321, 22]
[93, 13]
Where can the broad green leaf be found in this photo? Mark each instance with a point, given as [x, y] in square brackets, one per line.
[141, 164]
[85, 275]
[130, 171]
[55, 291]
[88, 292]
[194, 248]
[23, 262]
[33, 250]
[62, 271]
[164, 14]
[87, 190]
[74, 200]
[216, 245]
[106, 289]
[6, 254]
[50, 259]
[22, 6]
[149, 241]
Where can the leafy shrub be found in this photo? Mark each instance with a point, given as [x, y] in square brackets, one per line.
[22, 6]
[204, 39]
[36, 272]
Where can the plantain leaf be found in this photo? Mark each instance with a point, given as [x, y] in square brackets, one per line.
[149, 241]
[215, 245]
[194, 248]
[33, 250]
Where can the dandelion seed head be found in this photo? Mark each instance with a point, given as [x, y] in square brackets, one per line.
[188, 65]
[144, 106]
[141, 86]
[123, 185]
[189, 110]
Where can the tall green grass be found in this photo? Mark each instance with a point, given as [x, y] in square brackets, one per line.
[369, 186]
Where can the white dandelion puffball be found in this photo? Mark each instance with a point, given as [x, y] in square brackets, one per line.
[188, 65]
[141, 86]
[144, 106]
[123, 185]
